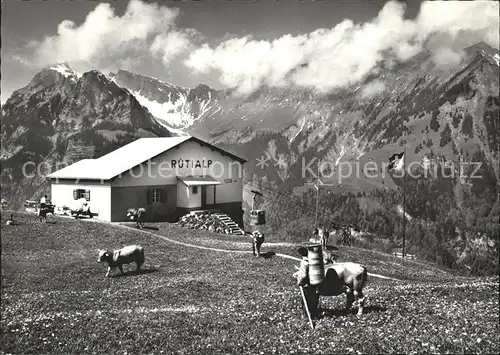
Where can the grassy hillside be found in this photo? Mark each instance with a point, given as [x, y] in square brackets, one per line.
[55, 298]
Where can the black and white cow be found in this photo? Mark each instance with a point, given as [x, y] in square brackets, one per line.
[137, 215]
[257, 241]
[345, 277]
[126, 255]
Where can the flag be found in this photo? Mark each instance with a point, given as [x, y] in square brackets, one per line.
[396, 161]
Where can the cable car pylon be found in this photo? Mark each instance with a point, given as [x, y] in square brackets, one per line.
[317, 184]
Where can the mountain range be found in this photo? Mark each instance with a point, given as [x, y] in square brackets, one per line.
[442, 114]
[61, 116]
[436, 114]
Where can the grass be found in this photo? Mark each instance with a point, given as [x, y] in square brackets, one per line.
[55, 298]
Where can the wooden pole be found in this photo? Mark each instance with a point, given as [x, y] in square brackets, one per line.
[317, 204]
[306, 307]
[317, 198]
[404, 201]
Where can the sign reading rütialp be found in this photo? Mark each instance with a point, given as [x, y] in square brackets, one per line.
[190, 163]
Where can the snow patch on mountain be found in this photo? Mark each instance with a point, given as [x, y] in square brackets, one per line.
[174, 131]
[300, 130]
[205, 106]
[342, 152]
[401, 211]
[65, 70]
[175, 113]
[496, 58]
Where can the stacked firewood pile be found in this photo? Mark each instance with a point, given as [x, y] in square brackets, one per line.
[204, 221]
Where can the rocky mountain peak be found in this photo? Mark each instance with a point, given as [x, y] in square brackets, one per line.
[52, 74]
[97, 77]
[95, 73]
[483, 50]
[202, 92]
[147, 87]
[481, 46]
[175, 107]
[125, 74]
[63, 68]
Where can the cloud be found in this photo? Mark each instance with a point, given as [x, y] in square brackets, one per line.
[104, 38]
[321, 60]
[329, 58]
[446, 57]
[245, 63]
[170, 45]
[372, 88]
[454, 17]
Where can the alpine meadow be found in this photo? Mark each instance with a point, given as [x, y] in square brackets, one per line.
[250, 177]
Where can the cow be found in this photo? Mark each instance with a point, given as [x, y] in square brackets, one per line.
[346, 277]
[258, 240]
[137, 215]
[44, 211]
[126, 255]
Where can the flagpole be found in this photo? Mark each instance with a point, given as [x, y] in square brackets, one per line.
[404, 200]
[317, 199]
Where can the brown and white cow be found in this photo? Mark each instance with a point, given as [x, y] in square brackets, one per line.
[346, 277]
[126, 255]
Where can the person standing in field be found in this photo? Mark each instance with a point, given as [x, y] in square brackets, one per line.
[43, 201]
[42, 213]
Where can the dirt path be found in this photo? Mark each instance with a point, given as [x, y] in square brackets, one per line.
[285, 256]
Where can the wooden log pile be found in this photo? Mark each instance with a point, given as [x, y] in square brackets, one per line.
[204, 221]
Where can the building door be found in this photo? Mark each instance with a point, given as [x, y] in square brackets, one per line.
[203, 196]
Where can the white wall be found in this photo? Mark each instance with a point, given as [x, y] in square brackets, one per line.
[187, 199]
[100, 197]
[231, 187]
[161, 172]
[182, 195]
[194, 199]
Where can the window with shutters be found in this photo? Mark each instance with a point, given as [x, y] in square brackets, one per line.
[157, 195]
[81, 193]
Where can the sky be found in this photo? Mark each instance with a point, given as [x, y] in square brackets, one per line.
[240, 44]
